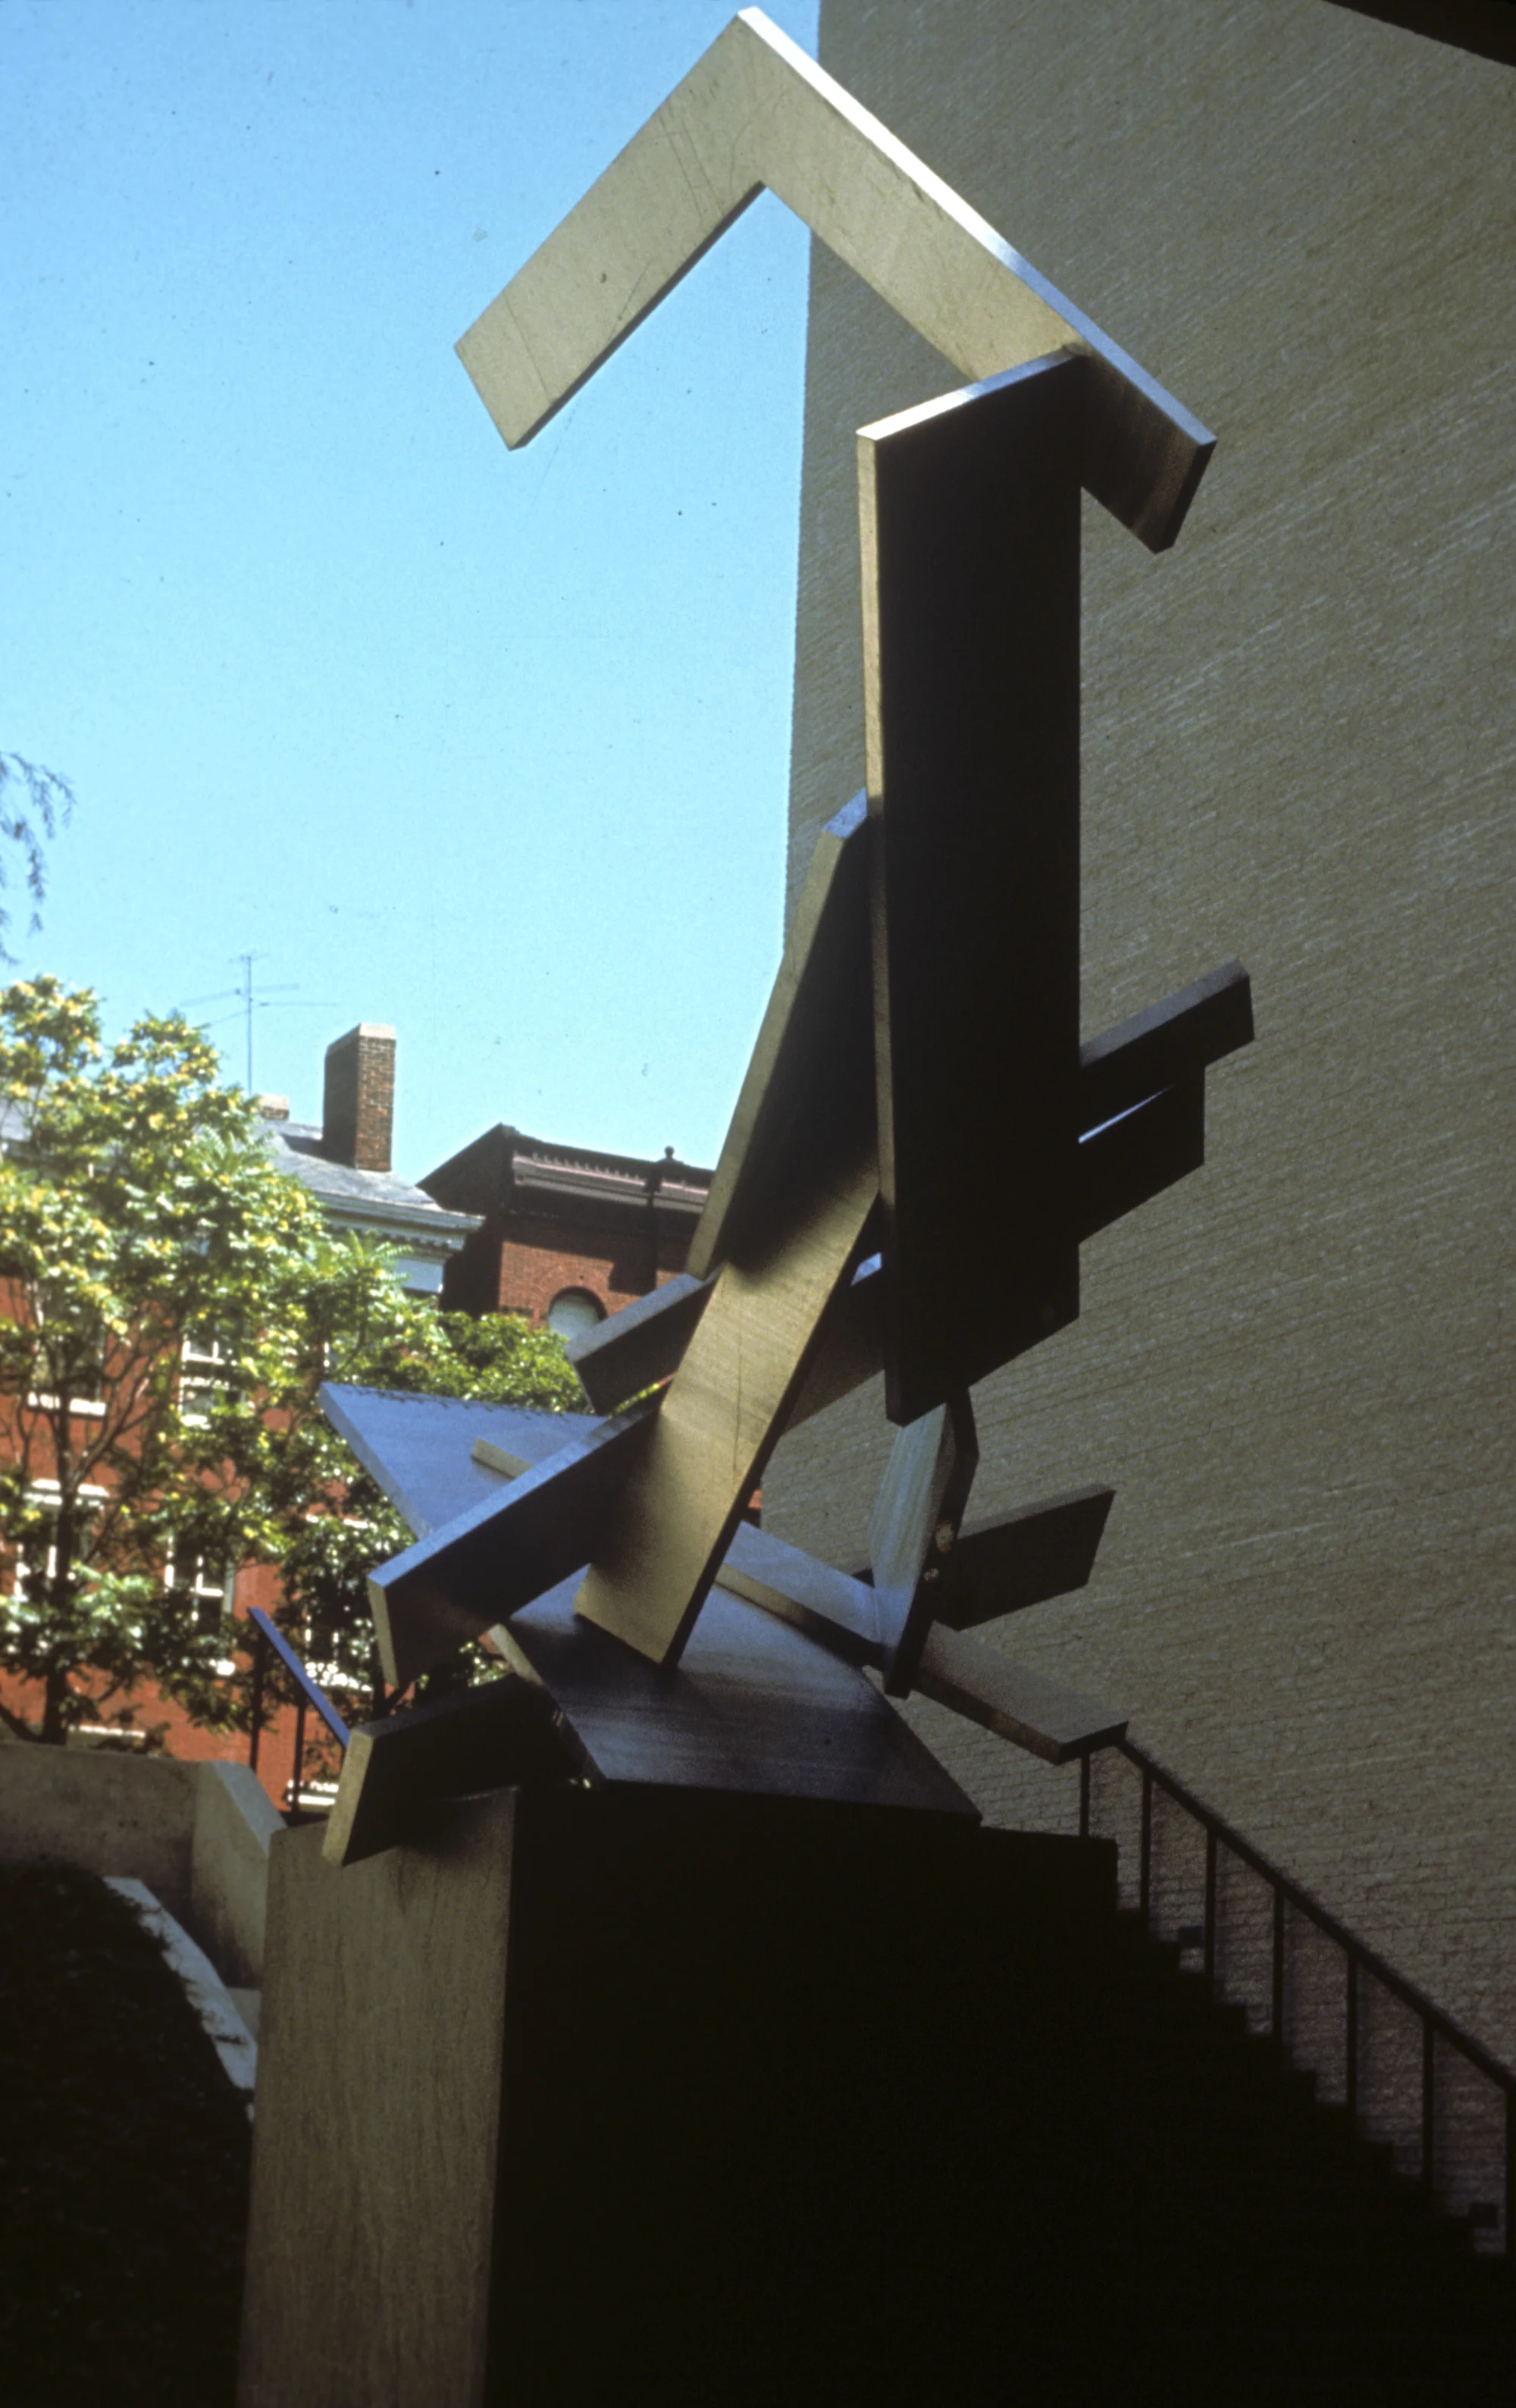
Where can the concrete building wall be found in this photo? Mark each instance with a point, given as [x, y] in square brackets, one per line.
[1299, 739]
[196, 1834]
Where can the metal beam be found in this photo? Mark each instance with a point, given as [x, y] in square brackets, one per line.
[754, 111]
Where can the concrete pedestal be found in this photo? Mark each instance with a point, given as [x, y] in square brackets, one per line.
[606, 2097]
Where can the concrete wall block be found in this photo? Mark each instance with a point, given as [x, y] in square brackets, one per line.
[220, 2019]
[114, 1815]
[234, 1823]
[196, 1834]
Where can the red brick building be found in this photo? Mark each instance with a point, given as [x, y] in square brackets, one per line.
[345, 1161]
[512, 1223]
[564, 1235]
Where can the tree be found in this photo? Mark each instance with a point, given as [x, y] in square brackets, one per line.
[33, 804]
[141, 1212]
[301, 1500]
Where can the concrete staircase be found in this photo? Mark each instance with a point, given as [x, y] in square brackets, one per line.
[1254, 2244]
[1028, 2148]
[844, 2107]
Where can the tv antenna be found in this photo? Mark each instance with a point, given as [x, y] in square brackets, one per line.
[248, 999]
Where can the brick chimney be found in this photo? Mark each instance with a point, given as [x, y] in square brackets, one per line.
[358, 1110]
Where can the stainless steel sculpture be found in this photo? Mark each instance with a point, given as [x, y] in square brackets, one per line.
[755, 111]
[930, 982]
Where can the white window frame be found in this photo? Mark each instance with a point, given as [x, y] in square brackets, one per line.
[200, 1588]
[48, 1494]
[204, 1368]
[86, 1408]
[222, 1594]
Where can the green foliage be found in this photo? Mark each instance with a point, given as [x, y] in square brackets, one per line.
[301, 1500]
[34, 803]
[140, 1208]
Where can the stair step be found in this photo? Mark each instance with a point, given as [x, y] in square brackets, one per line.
[1251, 2225]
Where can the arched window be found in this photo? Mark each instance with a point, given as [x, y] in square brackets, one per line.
[573, 1310]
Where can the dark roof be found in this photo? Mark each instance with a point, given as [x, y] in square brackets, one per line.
[505, 1169]
[390, 1206]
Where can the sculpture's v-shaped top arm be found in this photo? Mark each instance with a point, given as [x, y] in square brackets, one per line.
[757, 110]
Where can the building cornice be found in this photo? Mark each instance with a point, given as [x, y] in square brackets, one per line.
[506, 1172]
[422, 1229]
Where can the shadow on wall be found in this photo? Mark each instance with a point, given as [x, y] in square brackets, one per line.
[196, 1834]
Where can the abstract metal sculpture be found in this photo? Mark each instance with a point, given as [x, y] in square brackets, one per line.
[930, 981]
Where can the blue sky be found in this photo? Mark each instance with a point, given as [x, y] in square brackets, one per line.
[493, 746]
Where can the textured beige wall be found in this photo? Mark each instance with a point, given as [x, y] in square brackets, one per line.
[235, 1821]
[109, 1813]
[196, 1834]
[1299, 747]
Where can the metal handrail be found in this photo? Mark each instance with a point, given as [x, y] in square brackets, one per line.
[307, 1693]
[1436, 2022]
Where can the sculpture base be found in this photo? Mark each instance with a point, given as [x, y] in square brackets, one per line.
[602, 2097]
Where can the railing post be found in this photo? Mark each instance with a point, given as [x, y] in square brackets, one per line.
[1428, 2106]
[298, 1777]
[1145, 1853]
[260, 1668]
[1350, 2079]
[1276, 2017]
[1210, 1906]
[1084, 1794]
